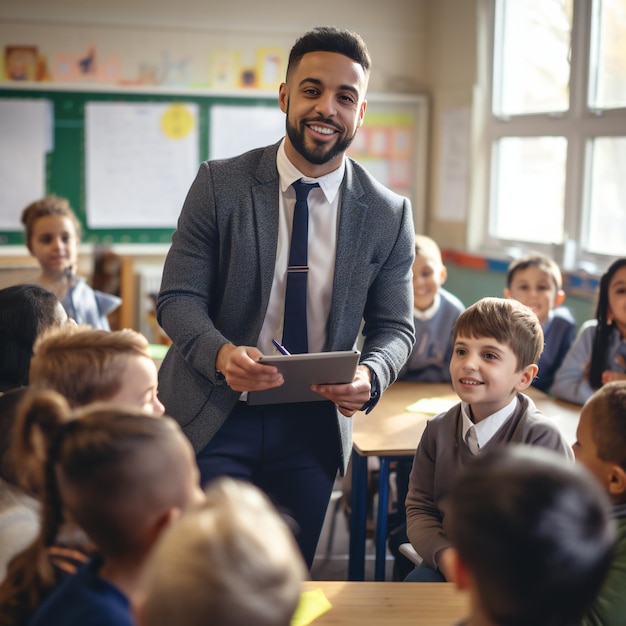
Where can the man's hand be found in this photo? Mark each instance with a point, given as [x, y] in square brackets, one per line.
[243, 372]
[349, 397]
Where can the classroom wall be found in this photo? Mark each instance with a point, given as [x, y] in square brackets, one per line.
[417, 46]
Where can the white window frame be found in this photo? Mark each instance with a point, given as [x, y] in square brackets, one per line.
[579, 125]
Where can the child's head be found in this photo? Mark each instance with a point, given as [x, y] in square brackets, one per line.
[231, 562]
[536, 281]
[25, 312]
[118, 473]
[601, 438]
[85, 365]
[52, 234]
[497, 343]
[610, 313]
[533, 536]
[429, 272]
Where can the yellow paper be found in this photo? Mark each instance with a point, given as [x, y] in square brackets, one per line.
[312, 604]
[431, 406]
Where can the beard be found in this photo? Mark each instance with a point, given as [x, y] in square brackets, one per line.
[317, 154]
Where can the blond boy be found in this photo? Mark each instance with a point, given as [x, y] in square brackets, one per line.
[434, 312]
[231, 562]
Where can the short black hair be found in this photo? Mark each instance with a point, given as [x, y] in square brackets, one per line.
[535, 532]
[330, 39]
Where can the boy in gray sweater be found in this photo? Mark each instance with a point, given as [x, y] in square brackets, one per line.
[497, 344]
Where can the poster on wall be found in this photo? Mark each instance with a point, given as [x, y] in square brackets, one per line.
[140, 159]
[26, 131]
[237, 129]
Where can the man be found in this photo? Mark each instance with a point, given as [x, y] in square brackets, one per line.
[223, 294]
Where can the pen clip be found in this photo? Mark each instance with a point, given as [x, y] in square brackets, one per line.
[281, 348]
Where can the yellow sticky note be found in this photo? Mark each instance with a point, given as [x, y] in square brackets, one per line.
[431, 406]
[312, 604]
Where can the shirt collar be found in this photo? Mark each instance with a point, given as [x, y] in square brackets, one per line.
[428, 313]
[289, 173]
[486, 429]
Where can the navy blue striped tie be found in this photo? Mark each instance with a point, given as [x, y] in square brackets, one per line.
[295, 337]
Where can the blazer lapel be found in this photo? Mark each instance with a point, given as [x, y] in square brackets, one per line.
[349, 242]
[265, 211]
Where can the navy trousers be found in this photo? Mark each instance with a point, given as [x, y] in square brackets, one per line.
[290, 451]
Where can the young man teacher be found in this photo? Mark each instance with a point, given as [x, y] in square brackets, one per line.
[226, 292]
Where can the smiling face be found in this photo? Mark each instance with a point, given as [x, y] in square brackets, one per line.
[428, 275]
[535, 287]
[485, 374]
[617, 300]
[324, 100]
[139, 386]
[54, 244]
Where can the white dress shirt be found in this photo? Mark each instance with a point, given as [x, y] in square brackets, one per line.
[485, 429]
[323, 220]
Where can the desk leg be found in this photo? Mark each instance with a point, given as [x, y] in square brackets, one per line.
[381, 520]
[358, 521]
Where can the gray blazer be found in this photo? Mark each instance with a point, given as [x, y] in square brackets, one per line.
[218, 275]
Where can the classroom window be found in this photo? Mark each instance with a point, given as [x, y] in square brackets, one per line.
[551, 153]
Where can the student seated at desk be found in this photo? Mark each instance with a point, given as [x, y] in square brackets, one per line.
[84, 365]
[601, 447]
[598, 355]
[122, 475]
[434, 312]
[497, 343]
[52, 233]
[536, 281]
[532, 538]
[230, 562]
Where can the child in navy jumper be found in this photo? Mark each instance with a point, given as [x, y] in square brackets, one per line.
[122, 475]
[536, 281]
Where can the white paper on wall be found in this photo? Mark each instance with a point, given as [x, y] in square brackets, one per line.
[140, 160]
[26, 136]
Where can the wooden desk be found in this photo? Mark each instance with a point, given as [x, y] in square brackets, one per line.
[391, 604]
[390, 433]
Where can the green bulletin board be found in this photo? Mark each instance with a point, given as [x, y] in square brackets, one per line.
[65, 164]
[391, 145]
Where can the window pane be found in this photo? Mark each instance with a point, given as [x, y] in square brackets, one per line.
[531, 57]
[607, 207]
[529, 189]
[607, 84]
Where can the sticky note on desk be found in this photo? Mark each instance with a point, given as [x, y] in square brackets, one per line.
[431, 406]
[312, 604]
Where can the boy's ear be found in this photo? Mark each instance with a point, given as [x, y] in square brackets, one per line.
[617, 481]
[507, 293]
[559, 298]
[443, 275]
[527, 377]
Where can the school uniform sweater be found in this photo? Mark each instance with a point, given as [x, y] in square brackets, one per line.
[442, 453]
[559, 333]
[84, 599]
[429, 361]
[571, 382]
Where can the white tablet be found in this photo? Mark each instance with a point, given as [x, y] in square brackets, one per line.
[300, 371]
